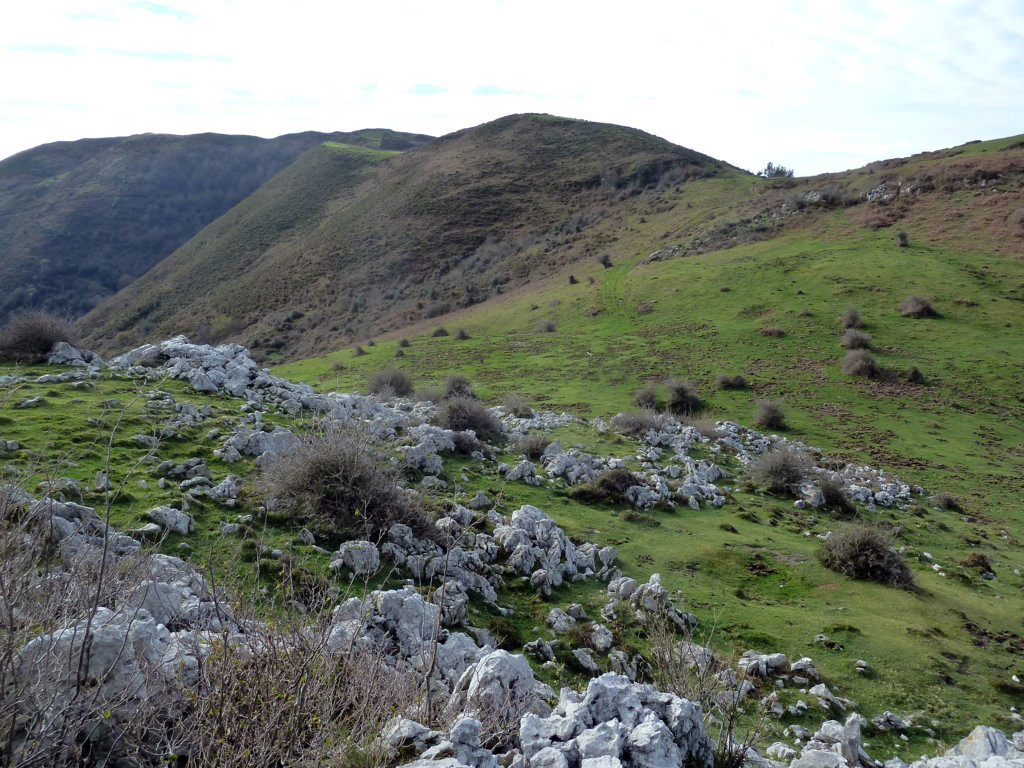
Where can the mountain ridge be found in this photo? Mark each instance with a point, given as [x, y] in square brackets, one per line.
[81, 219]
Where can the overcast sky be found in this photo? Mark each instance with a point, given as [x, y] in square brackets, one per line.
[817, 86]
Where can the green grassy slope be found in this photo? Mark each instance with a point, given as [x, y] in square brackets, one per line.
[948, 653]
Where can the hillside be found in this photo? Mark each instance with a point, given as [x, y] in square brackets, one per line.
[793, 255]
[377, 242]
[79, 220]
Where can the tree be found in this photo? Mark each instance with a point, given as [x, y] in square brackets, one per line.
[772, 171]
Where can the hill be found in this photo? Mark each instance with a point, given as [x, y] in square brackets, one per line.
[79, 220]
[759, 294]
[346, 244]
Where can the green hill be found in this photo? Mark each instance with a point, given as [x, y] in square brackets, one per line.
[348, 243]
[80, 220]
[794, 255]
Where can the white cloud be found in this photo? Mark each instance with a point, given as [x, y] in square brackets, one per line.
[817, 86]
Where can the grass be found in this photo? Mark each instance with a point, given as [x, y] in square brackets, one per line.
[961, 434]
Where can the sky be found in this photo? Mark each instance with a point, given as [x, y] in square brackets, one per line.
[816, 86]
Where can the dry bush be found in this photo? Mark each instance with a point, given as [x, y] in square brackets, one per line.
[647, 397]
[865, 553]
[462, 413]
[609, 486]
[283, 698]
[467, 445]
[29, 337]
[948, 502]
[532, 445]
[835, 497]
[461, 334]
[340, 478]
[439, 332]
[725, 381]
[605, 261]
[917, 307]
[638, 422]
[337, 365]
[851, 318]
[358, 351]
[854, 339]
[706, 426]
[772, 331]
[683, 399]
[913, 375]
[769, 415]
[860, 362]
[978, 561]
[517, 404]
[714, 681]
[780, 470]
[428, 395]
[902, 239]
[573, 280]
[457, 385]
[391, 379]
[546, 326]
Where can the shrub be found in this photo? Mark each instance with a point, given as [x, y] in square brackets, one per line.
[30, 336]
[769, 415]
[516, 404]
[979, 561]
[835, 496]
[854, 339]
[399, 353]
[467, 445]
[865, 553]
[706, 426]
[428, 395]
[917, 307]
[573, 280]
[546, 326]
[773, 331]
[780, 470]
[902, 239]
[371, 343]
[439, 332]
[609, 486]
[457, 385]
[725, 381]
[859, 362]
[851, 318]
[913, 375]
[605, 261]
[358, 351]
[948, 502]
[392, 379]
[647, 397]
[683, 400]
[637, 422]
[341, 477]
[337, 365]
[532, 445]
[461, 334]
[462, 413]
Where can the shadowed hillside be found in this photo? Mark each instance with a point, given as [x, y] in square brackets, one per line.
[80, 220]
[361, 242]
